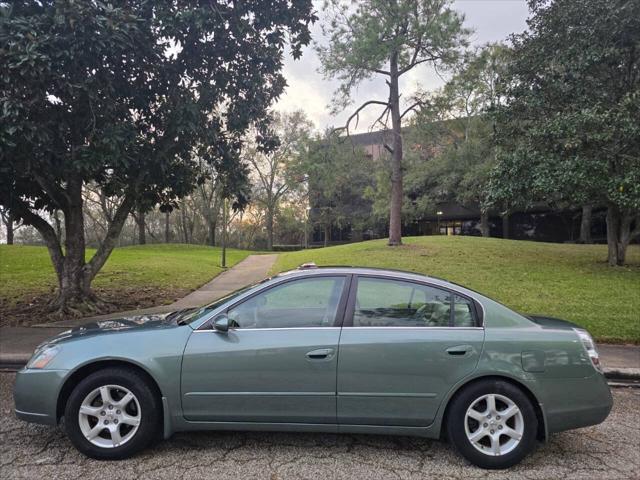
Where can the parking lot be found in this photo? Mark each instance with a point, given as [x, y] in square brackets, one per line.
[610, 450]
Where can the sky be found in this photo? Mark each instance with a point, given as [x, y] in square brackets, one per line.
[491, 21]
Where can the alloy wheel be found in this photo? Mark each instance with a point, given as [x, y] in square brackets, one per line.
[494, 424]
[109, 416]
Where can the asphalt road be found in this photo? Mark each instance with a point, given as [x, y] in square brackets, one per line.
[610, 450]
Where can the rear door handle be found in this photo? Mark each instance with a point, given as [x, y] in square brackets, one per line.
[320, 354]
[459, 350]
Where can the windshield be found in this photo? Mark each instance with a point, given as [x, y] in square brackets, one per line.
[193, 315]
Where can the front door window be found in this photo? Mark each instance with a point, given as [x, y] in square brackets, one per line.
[308, 302]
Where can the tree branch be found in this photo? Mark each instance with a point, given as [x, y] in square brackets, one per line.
[47, 232]
[379, 119]
[57, 195]
[115, 227]
[431, 58]
[636, 230]
[411, 107]
[356, 114]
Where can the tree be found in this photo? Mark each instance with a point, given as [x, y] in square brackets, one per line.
[388, 38]
[338, 175]
[7, 219]
[569, 128]
[209, 203]
[126, 95]
[274, 177]
[453, 132]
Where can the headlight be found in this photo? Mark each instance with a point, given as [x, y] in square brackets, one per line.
[42, 358]
[590, 347]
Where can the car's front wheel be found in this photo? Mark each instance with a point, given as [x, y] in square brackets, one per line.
[112, 414]
[492, 423]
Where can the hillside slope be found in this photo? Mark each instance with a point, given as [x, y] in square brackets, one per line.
[564, 280]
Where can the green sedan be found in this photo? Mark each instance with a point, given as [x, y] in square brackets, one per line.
[355, 350]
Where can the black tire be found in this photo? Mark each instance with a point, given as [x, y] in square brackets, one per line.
[456, 418]
[150, 413]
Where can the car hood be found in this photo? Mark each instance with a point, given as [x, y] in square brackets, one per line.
[133, 323]
[553, 323]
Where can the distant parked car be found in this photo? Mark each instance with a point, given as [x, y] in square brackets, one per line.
[355, 350]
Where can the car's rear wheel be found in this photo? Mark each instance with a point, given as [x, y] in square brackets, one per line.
[112, 414]
[492, 423]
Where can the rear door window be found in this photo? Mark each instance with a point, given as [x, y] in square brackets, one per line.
[396, 303]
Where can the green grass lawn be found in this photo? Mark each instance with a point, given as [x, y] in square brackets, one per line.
[26, 271]
[563, 280]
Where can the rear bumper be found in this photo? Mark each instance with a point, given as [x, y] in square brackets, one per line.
[35, 395]
[576, 402]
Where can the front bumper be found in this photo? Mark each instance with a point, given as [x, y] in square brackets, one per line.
[35, 395]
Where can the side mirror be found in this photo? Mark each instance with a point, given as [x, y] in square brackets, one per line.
[221, 323]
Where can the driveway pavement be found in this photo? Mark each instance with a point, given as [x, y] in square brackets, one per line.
[607, 451]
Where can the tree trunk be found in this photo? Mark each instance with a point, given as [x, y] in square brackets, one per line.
[167, 231]
[585, 224]
[269, 222]
[395, 211]
[211, 236]
[484, 224]
[58, 225]
[224, 233]
[619, 234]
[9, 226]
[74, 274]
[505, 225]
[73, 279]
[141, 222]
[327, 234]
[185, 228]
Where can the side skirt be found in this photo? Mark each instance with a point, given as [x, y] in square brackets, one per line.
[426, 432]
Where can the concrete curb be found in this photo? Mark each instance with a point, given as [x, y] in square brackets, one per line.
[622, 373]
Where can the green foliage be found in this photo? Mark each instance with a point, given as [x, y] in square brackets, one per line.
[276, 175]
[363, 37]
[339, 174]
[569, 128]
[125, 96]
[451, 146]
[121, 94]
[561, 280]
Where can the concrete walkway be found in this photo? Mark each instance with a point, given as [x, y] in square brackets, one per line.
[17, 343]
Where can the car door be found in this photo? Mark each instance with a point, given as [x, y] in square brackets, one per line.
[278, 361]
[402, 347]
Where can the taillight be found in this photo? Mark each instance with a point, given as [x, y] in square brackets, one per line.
[590, 347]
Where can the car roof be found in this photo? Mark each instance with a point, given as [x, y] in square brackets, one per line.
[311, 269]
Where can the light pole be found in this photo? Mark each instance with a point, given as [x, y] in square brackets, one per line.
[438, 214]
[306, 228]
[224, 233]
[305, 180]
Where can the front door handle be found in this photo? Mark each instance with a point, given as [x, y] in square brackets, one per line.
[320, 354]
[459, 350]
